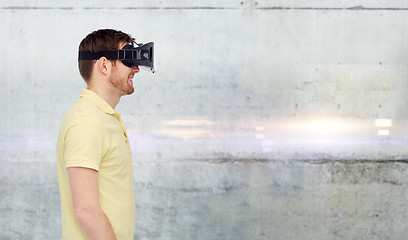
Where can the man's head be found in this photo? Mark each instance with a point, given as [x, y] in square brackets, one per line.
[98, 41]
[111, 75]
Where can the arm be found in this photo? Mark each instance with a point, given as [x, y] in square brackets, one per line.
[85, 203]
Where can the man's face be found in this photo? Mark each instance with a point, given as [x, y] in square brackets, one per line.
[122, 75]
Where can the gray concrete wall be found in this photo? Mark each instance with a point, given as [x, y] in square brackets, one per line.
[261, 122]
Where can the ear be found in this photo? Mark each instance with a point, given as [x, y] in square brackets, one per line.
[104, 65]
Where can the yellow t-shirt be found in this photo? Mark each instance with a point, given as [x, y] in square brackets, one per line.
[92, 135]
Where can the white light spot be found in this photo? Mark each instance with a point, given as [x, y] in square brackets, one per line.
[383, 123]
[259, 129]
[383, 132]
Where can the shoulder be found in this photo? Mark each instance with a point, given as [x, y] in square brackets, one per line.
[83, 116]
[83, 107]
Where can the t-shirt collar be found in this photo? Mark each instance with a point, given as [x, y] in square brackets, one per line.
[98, 101]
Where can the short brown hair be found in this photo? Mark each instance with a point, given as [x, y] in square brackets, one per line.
[98, 41]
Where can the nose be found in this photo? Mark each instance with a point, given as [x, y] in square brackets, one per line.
[135, 69]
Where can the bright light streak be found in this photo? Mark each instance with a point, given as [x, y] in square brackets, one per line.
[319, 127]
[186, 133]
[259, 129]
[186, 122]
[383, 132]
[383, 123]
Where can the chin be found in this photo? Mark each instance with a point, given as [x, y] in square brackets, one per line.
[130, 91]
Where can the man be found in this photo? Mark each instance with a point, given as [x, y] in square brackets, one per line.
[93, 154]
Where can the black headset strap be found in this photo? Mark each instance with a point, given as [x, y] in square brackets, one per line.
[88, 55]
[121, 54]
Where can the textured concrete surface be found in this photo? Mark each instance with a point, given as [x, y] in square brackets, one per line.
[231, 199]
[261, 122]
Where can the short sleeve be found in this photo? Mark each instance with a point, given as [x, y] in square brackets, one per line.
[83, 145]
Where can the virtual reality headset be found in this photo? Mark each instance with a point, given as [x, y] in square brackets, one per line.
[140, 56]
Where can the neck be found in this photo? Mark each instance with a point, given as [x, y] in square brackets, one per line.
[111, 98]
